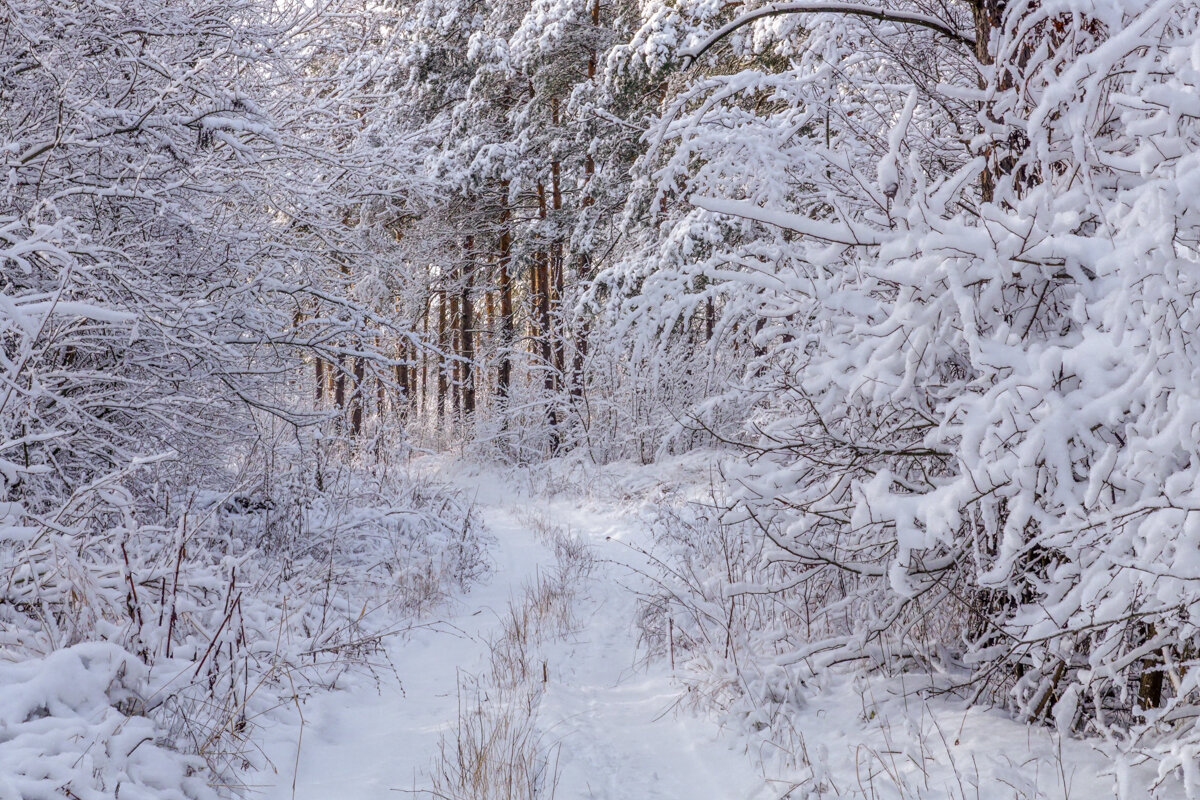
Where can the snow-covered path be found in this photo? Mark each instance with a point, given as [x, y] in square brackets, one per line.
[612, 721]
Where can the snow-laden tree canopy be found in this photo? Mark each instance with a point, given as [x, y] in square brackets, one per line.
[921, 272]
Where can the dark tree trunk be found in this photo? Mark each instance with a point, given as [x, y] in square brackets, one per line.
[467, 332]
[541, 300]
[555, 284]
[423, 397]
[339, 384]
[504, 282]
[319, 367]
[358, 398]
[443, 346]
[456, 351]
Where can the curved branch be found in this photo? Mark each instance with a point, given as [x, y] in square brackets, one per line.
[776, 9]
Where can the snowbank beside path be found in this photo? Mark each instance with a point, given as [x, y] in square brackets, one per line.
[846, 734]
[376, 734]
[618, 725]
[71, 726]
[611, 723]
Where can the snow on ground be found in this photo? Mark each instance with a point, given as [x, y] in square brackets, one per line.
[613, 724]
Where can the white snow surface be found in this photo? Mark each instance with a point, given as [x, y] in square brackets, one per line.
[613, 721]
[616, 722]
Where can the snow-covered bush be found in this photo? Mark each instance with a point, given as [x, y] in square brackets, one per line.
[967, 268]
[184, 184]
[74, 726]
[221, 614]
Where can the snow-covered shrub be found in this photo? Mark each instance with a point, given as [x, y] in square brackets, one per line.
[969, 269]
[74, 726]
[173, 236]
[223, 623]
[724, 615]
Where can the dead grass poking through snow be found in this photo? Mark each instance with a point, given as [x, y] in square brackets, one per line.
[496, 751]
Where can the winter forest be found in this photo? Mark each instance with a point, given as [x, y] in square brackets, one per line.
[616, 399]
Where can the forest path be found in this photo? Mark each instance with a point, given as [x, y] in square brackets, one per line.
[610, 724]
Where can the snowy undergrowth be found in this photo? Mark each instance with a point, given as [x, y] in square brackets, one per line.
[496, 750]
[139, 657]
[744, 631]
[738, 626]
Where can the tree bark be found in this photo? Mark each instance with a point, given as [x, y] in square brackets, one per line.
[423, 398]
[456, 351]
[504, 281]
[542, 303]
[443, 346]
[467, 332]
[339, 384]
[357, 398]
[554, 311]
[319, 367]
[988, 16]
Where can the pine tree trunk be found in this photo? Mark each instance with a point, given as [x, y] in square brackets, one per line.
[357, 398]
[403, 390]
[542, 303]
[504, 280]
[554, 311]
[579, 360]
[414, 375]
[467, 332]
[578, 363]
[380, 387]
[319, 367]
[423, 402]
[456, 381]
[443, 346]
[339, 384]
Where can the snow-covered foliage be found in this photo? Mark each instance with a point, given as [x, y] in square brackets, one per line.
[172, 224]
[924, 270]
[213, 616]
[963, 273]
[185, 542]
[74, 727]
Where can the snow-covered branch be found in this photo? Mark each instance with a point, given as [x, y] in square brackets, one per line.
[693, 52]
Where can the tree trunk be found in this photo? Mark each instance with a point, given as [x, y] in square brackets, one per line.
[467, 332]
[403, 390]
[456, 381]
[357, 398]
[542, 304]
[380, 387]
[555, 286]
[423, 401]
[319, 367]
[579, 358]
[339, 384]
[988, 16]
[578, 363]
[443, 346]
[504, 280]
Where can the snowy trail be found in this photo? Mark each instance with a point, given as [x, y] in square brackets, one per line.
[613, 723]
[620, 734]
